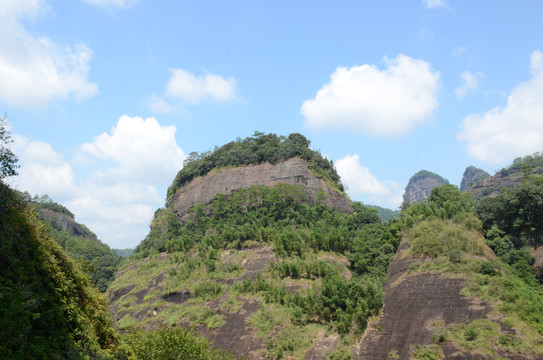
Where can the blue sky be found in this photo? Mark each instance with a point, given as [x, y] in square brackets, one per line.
[106, 97]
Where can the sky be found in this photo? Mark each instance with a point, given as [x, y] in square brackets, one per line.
[106, 98]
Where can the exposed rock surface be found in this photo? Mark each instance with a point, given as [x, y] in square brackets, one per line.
[67, 224]
[493, 185]
[471, 176]
[294, 171]
[420, 186]
[417, 304]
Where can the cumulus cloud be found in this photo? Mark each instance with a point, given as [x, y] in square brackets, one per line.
[434, 4]
[35, 70]
[129, 165]
[10, 9]
[360, 181]
[193, 89]
[142, 150]
[185, 87]
[504, 133]
[43, 170]
[470, 82]
[384, 103]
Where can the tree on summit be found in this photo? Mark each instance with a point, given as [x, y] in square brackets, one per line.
[8, 160]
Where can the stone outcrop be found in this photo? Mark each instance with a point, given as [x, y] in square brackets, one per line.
[294, 171]
[420, 186]
[418, 304]
[493, 185]
[67, 224]
[471, 176]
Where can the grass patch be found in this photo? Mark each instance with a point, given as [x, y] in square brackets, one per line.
[283, 338]
[231, 304]
[428, 352]
[436, 237]
[127, 321]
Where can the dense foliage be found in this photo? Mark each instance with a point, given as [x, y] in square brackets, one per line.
[518, 212]
[257, 149]
[525, 163]
[513, 223]
[48, 306]
[171, 344]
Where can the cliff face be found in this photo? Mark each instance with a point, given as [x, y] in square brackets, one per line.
[420, 186]
[493, 185]
[294, 171]
[471, 176]
[67, 224]
[417, 305]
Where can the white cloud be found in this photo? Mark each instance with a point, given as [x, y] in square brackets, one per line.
[470, 82]
[10, 9]
[43, 170]
[128, 167]
[186, 88]
[504, 133]
[193, 89]
[35, 70]
[360, 181]
[434, 4]
[143, 150]
[383, 103]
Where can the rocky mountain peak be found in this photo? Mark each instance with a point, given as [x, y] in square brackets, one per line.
[420, 186]
[471, 176]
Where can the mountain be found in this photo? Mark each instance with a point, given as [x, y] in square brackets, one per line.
[420, 186]
[81, 243]
[275, 269]
[384, 213]
[258, 268]
[506, 178]
[471, 176]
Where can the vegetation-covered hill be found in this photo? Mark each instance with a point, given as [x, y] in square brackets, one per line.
[257, 149]
[82, 244]
[420, 186]
[507, 178]
[263, 266]
[48, 306]
[448, 296]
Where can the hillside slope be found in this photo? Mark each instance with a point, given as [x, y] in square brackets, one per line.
[263, 268]
[81, 243]
[448, 297]
[48, 306]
